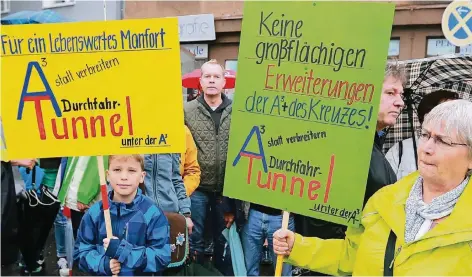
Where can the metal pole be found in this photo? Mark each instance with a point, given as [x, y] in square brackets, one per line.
[105, 10]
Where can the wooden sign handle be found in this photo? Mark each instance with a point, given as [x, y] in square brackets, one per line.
[103, 190]
[280, 258]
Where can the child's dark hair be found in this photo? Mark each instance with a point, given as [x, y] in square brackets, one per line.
[432, 100]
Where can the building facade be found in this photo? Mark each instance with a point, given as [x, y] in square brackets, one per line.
[76, 10]
[416, 31]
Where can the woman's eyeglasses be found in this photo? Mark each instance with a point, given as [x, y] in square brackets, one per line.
[440, 141]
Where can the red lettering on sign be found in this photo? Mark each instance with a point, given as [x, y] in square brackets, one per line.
[86, 127]
[297, 183]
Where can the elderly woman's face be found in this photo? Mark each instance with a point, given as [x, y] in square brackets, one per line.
[442, 157]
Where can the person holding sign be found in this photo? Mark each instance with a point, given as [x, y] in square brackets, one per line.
[142, 243]
[380, 172]
[418, 226]
[208, 117]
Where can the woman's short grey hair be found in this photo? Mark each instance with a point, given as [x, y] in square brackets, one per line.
[396, 70]
[456, 117]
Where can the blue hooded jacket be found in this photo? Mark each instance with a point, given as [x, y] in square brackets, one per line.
[143, 244]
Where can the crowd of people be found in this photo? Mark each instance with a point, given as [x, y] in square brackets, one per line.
[162, 206]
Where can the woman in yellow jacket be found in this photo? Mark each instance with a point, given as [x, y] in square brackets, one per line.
[422, 225]
[189, 167]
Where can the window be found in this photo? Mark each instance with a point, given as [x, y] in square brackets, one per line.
[466, 49]
[231, 64]
[57, 3]
[439, 47]
[394, 48]
[5, 5]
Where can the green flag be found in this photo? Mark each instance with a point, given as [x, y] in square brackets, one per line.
[81, 181]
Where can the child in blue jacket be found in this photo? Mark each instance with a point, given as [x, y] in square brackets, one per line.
[140, 245]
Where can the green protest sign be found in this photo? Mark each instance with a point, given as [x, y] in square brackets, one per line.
[305, 106]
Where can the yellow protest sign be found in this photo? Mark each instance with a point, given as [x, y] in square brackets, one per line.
[92, 88]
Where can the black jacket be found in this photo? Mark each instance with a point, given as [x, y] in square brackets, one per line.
[380, 175]
[9, 216]
[380, 171]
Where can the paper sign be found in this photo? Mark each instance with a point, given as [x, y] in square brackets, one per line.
[305, 106]
[92, 88]
[199, 50]
[197, 27]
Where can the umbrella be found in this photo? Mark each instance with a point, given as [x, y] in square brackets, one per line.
[449, 72]
[33, 17]
[192, 79]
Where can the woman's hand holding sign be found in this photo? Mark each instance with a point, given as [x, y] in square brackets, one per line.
[283, 242]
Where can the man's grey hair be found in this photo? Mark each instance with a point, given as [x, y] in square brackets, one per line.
[396, 70]
[456, 118]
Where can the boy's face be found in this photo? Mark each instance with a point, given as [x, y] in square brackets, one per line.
[125, 175]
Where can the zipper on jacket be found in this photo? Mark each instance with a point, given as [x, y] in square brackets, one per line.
[369, 214]
[126, 232]
[217, 150]
[395, 256]
[218, 170]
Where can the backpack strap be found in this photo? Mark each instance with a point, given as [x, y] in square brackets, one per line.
[389, 254]
[415, 151]
[400, 152]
